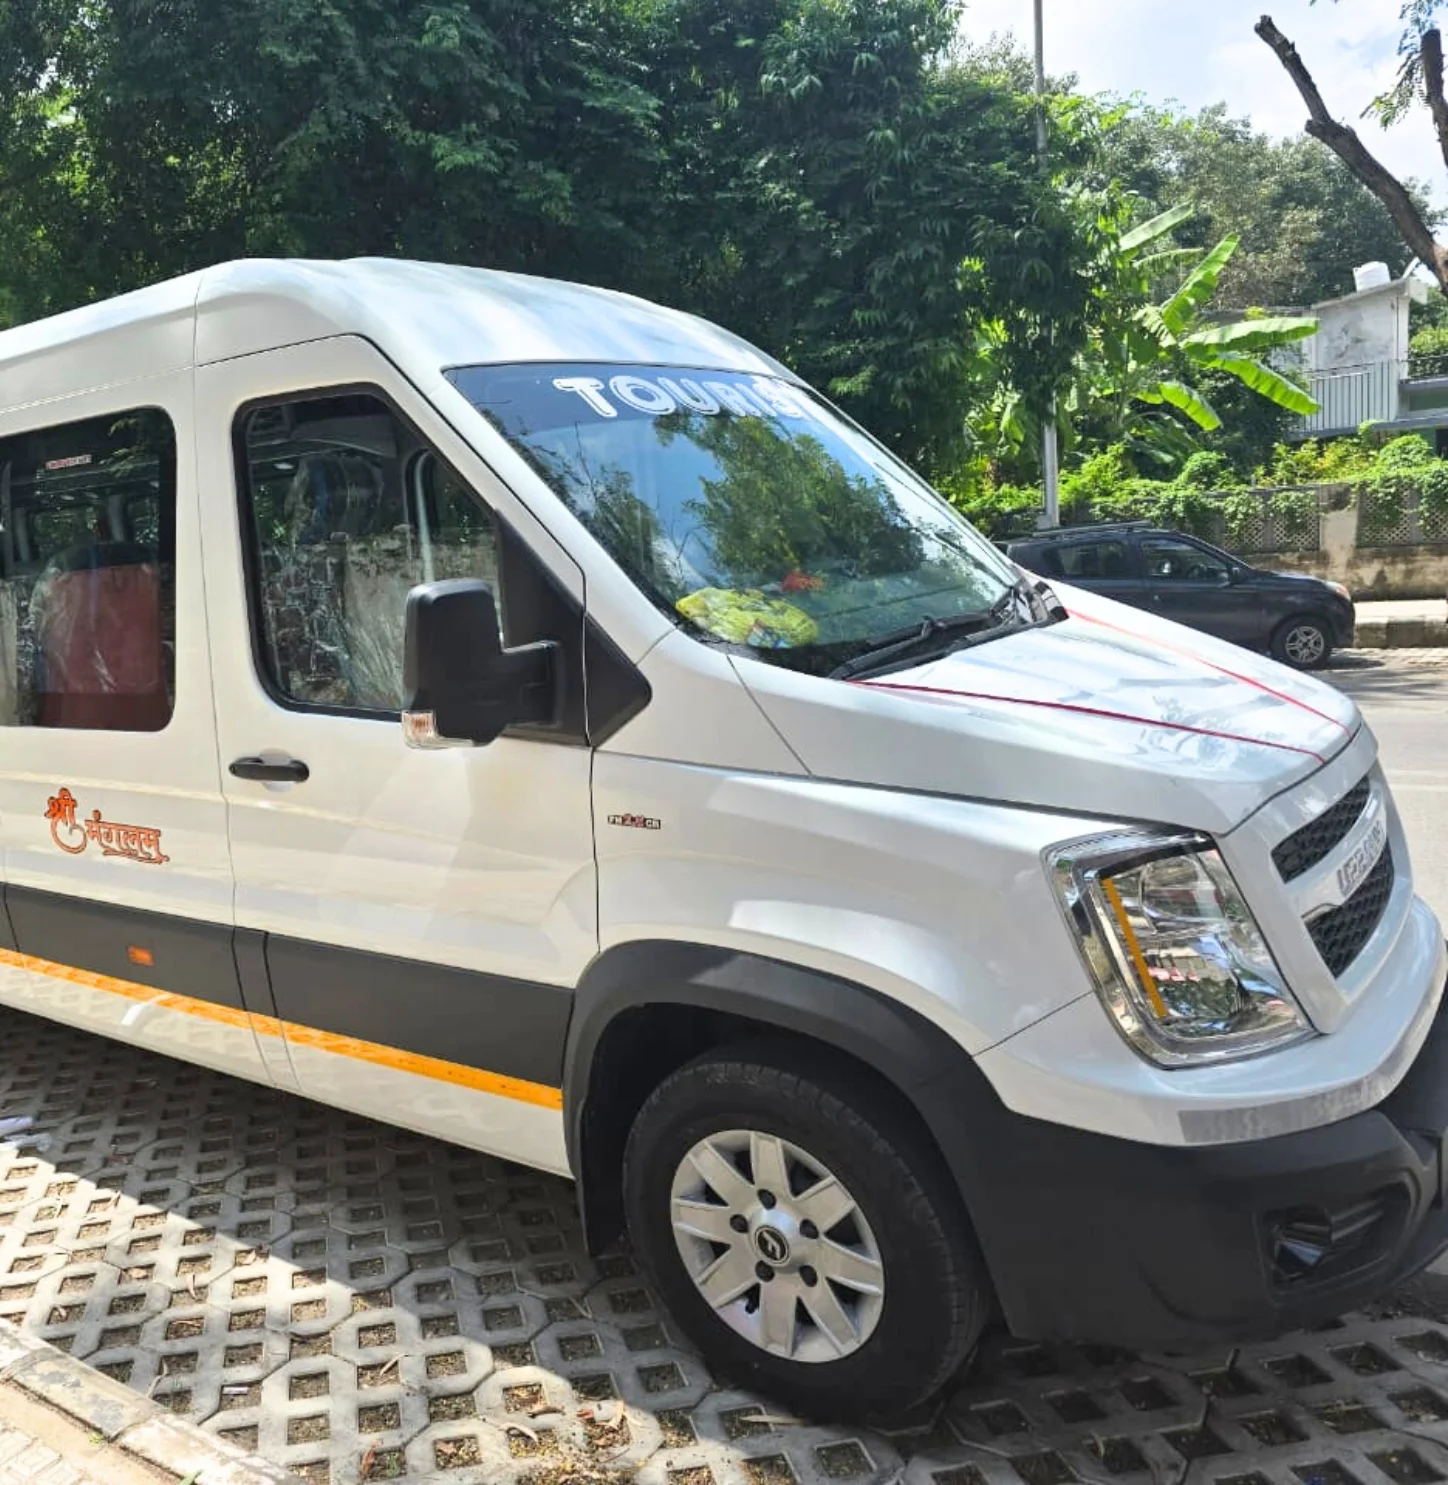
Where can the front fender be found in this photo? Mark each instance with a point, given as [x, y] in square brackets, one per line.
[644, 1009]
[900, 1044]
[940, 904]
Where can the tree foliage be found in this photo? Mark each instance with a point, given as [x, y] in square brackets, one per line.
[812, 173]
[143, 138]
[1303, 222]
[837, 180]
[1139, 378]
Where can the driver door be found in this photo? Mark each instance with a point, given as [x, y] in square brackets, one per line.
[1193, 586]
[425, 913]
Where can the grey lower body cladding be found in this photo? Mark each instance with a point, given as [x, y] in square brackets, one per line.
[516, 1028]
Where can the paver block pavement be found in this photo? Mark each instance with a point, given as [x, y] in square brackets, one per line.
[339, 1297]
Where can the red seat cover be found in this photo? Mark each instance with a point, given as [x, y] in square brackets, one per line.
[99, 634]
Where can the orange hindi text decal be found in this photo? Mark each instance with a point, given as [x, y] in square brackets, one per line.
[135, 842]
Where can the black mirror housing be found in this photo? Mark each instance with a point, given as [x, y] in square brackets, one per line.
[460, 685]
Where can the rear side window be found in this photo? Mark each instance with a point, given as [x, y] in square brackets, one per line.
[87, 574]
[347, 510]
[1089, 559]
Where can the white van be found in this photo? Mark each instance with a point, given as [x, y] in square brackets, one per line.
[533, 717]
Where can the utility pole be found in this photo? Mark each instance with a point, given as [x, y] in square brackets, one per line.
[1050, 472]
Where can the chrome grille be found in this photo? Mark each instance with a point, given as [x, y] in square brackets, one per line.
[1304, 848]
[1341, 932]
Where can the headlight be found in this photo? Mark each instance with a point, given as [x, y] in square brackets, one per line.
[1341, 592]
[1176, 956]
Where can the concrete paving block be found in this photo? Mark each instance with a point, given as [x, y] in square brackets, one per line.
[457, 1292]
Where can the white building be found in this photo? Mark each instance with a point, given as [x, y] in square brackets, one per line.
[1358, 365]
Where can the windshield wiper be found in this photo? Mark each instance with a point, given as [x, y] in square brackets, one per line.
[904, 641]
[898, 650]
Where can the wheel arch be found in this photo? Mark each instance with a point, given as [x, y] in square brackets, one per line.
[1310, 609]
[645, 1008]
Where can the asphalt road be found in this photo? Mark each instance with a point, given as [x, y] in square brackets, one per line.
[1404, 696]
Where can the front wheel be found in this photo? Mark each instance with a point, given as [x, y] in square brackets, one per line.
[804, 1234]
[1303, 643]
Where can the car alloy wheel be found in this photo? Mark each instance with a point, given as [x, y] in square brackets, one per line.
[1304, 644]
[777, 1246]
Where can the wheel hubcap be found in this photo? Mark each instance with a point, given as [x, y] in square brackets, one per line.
[1304, 645]
[777, 1246]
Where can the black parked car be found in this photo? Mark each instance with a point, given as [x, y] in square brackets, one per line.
[1298, 619]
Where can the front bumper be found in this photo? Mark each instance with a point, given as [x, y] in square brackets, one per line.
[1099, 1239]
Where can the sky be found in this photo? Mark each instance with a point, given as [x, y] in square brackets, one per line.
[1197, 54]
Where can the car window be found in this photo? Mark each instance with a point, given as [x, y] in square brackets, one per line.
[1088, 560]
[87, 574]
[746, 509]
[349, 510]
[1167, 561]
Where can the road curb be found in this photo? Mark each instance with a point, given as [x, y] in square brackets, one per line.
[1401, 634]
[126, 1420]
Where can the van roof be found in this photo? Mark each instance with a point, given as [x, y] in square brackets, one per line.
[425, 316]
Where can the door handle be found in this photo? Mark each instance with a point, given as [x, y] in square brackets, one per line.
[289, 771]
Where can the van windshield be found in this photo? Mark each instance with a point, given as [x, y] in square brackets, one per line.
[746, 509]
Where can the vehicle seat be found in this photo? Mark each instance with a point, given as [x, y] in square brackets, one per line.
[96, 612]
[322, 620]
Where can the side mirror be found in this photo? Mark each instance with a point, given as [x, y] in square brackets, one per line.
[460, 686]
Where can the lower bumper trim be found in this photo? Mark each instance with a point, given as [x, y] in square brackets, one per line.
[1097, 1239]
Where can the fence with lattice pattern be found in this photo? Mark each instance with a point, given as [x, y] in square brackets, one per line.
[1263, 521]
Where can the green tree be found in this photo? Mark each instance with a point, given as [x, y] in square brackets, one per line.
[1139, 378]
[854, 202]
[1302, 220]
[811, 173]
[1146, 353]
[142, 138]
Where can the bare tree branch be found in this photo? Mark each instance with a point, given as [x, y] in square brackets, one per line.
[1431, 54]
[1346, 145]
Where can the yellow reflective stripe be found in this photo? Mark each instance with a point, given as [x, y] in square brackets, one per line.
[425, 1067]
[148, 994]
[456, 1073]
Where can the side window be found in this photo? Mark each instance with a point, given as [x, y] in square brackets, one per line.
[1180, 562]
[346, 510]
[87, 574]
[1093, 559]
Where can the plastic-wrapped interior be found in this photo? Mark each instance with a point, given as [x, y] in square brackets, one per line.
[349, 512]
[87, 597]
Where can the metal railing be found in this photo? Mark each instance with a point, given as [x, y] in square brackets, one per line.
[1421, 367]
[1350, 396]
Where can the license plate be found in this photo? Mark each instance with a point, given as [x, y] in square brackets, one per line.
[1364, 857]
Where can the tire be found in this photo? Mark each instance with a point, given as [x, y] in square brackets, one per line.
[770, 1108]
[1302, 642]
